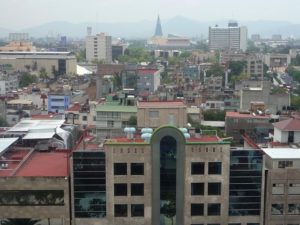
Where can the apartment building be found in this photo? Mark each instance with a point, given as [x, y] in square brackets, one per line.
[112, 118]
[99, 48]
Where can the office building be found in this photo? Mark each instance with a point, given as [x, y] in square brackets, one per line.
[18, 36]
[232, 37]
[99, 48]
[61, 63]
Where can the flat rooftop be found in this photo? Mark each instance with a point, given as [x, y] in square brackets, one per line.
[161, 104]
[282, 153]
[137, 139]
[246, 115]
[26, 125]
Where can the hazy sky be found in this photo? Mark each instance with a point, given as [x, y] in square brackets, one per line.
[17, 14]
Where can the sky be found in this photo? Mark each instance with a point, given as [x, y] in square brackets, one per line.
[19, 14]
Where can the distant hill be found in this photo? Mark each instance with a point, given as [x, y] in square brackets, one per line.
[144, 29]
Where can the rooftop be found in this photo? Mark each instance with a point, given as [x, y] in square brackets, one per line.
[282, 153]
[146, 71]
[50, 164]
[291, 124]
[116, 108]
[26, 125]
[246, 115]
[161, 104]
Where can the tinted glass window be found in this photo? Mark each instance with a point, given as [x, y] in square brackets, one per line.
[197, 168]
[214, 189]
[120, 169]
[120, 189]
[214, 168]
[137, 210]
[137, 168]
[197, 209]
[120, 210]
[197, 188]
[137, 189]
[213, 209]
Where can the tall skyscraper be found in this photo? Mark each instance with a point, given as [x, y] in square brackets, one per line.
[98, 47]
[232, 37]
[158, 29]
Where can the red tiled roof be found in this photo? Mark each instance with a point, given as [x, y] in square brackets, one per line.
[204, 139]
[291, 124]
[40, 116]
[74, 108]
[242, 115]
[45, 164]
[146, 71]
[161, 104]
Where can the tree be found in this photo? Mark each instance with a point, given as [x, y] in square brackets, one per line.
[215, 70]
[132, 121]
[27, 79]
[21, 221]
[81, 55]
[212, 115]
[117, 81]
[236, 67]
[43, 73]
[3, 122]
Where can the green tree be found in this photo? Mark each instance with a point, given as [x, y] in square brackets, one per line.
[212, 115]
[215, 70]
[27, 79]
[132, 121]
[3, 122]
[21, 221]
[236, 67]
[81, 55]
[295, 102]
[43, 73]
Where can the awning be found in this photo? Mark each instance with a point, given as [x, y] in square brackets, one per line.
[6, 142]
[36, 135]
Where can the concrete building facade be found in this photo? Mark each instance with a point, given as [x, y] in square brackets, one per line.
[232, 37]
[99, 48]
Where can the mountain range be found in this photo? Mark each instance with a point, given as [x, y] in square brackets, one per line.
[143, 29]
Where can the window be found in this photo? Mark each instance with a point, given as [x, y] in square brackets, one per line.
[120, 210]
[120, 189]
[214, 189]
[153, 114]
[284, 164]
[277, 209]
[294, 189]
[137, 189]
[197, 209]
[294, 209]
[120, 169]
[278, 189]
[110, 123]
[213, 209]
[197, 168]
[84, 118]
[214, 168]
[137, 168]
[32, 197]
[197, 188]
[137, 210]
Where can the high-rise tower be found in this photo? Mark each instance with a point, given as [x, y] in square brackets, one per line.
[158, 30]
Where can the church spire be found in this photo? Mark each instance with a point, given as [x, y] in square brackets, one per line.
[158, 30]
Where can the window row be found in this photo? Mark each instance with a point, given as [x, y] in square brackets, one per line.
[135, 168]
[213, 188]
[121, 210]
[278, 209]
[213, 209]
[198, 168]
[278, 189]
[137, 189]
